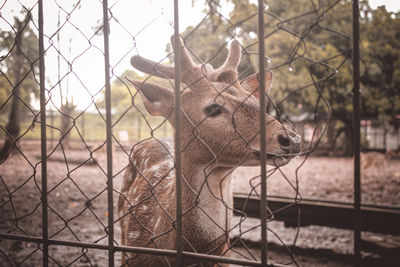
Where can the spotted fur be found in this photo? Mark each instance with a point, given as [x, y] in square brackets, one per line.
[212, 146]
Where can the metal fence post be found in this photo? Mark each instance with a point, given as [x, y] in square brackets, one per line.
[45, 233]
[178, 167]
[110, 207]
[263, 201]
[356, 139]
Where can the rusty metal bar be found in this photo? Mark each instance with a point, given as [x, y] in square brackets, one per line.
[45, 229]
[144, 250]
[178, 158]
[356, 133]
[263, 135]
[106, 32]
[378, 219]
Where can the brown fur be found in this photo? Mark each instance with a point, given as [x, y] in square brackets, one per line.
[211, 148]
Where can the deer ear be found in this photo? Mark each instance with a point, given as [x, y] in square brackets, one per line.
[158, 100]
[252, 84]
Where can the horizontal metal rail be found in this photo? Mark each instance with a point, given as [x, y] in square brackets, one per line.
[376, 219]
[313, 212]
[143, 250]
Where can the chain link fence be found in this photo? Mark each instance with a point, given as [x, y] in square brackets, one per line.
[178, 130]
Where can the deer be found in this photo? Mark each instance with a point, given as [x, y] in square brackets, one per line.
[220, 130]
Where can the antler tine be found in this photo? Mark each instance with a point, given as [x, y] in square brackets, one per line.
[186, 60]
[152, 68]
[231, 63]
[191, 73]
[161, 70]
[233, 59]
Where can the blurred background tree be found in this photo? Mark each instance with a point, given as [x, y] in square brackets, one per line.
[18, 80]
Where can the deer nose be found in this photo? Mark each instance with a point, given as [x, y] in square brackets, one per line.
[290, 143]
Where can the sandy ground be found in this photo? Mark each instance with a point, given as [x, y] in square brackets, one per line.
[78, 206]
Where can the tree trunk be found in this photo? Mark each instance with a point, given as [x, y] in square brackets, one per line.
[66, 112]
[385, 131]
[349, 149]
[333, 140]
[13, 125]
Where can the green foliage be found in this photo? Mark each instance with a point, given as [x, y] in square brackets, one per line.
[381, 45]
[29, 72]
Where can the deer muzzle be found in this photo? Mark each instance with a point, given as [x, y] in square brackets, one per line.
[290, 143]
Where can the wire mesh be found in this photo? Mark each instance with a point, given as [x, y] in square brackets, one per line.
[132, 165]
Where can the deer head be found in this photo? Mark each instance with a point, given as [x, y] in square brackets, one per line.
[220, 114]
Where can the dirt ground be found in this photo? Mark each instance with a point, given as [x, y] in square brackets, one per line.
[78, 207]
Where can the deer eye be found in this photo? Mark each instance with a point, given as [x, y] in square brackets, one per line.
[213, 110]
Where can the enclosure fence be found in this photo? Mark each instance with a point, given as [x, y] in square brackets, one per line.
[49, 199]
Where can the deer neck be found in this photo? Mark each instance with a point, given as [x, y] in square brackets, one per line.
[206, 194]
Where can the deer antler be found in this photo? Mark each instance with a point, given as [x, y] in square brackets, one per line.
[233, 59]
[229, 67]
[192, 74]
[152, 68]
[164, 71]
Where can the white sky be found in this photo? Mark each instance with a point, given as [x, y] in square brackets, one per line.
[391, 5]
[155, 16]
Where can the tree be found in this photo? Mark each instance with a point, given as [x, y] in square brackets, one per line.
[381, 81]
[18, 79]
[382, 77]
